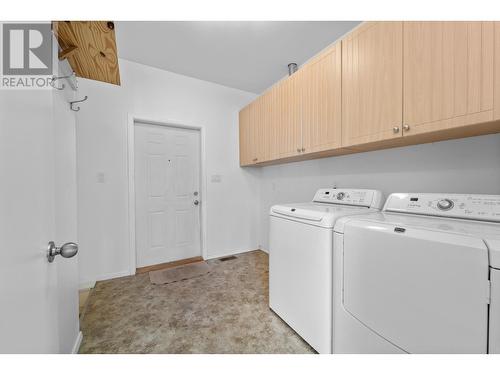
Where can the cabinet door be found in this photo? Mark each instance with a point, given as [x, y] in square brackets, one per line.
[289, 129]
[448, 75]
[321, 101]
[372, 87]
[273, 111]
[257, 130]
[256, 135]
[271, 119]
[245, 136]
[264, 126]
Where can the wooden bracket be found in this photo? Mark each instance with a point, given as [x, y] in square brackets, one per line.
[67, 52]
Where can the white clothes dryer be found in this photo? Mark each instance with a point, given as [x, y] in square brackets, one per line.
[422, 276]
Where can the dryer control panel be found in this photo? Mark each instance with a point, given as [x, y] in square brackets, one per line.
[460, 206]
[351, 197]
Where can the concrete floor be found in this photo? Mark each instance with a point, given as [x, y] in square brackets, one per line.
[225, 311]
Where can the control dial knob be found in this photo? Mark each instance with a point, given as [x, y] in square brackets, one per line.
[445, 204]
[340, 196]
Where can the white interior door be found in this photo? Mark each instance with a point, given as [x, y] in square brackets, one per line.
[38, 299]
[65, 219]
[167, 193]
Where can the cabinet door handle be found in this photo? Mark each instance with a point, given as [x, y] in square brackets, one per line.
[395, 129]
[298, 150]
[255, 159]
[303, 149]
[406, 127]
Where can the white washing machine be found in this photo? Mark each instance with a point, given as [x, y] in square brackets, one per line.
[422, 276]
[300, 259]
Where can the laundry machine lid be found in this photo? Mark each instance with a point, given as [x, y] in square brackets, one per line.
[319, 214]
[330, 204]
[423, 291]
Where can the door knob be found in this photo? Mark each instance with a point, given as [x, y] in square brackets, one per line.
[196, 202]
[395, 129]
[406, 127]
[68, 250]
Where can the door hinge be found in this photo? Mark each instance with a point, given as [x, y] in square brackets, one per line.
[488, 292]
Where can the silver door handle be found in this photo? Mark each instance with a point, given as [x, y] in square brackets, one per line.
[68, 250]
[196, 202]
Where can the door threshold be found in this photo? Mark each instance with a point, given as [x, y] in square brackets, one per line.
[161, 266]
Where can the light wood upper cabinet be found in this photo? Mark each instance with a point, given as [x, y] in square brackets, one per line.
[372, 84]
[496, 112]
[245, 136]
[289, 128]
[321, 101]
[448, 75]
[385, 84]
[273, 99]
[254, 131]
[257, 130]
[263, 128]
[251, 137]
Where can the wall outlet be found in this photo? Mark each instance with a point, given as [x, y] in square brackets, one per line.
[216, 178]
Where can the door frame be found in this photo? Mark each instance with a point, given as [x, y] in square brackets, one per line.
[132, 121]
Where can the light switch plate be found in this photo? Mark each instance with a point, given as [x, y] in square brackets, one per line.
[216, 178]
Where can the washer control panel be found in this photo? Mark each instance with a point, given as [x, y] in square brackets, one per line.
[461, 206]
[352, 197]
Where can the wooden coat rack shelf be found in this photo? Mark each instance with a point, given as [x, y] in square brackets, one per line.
[90, 48]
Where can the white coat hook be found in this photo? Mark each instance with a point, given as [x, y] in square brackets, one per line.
[76, 109]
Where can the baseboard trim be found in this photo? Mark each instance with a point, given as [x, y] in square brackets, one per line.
[215, 256]
[86, 285]
[162, 266]
[78, 342]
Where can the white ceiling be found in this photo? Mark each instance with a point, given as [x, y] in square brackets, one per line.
[250, 55]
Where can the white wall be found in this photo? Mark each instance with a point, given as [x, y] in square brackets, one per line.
[237, 208]
[470, 165]
[231, 206]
